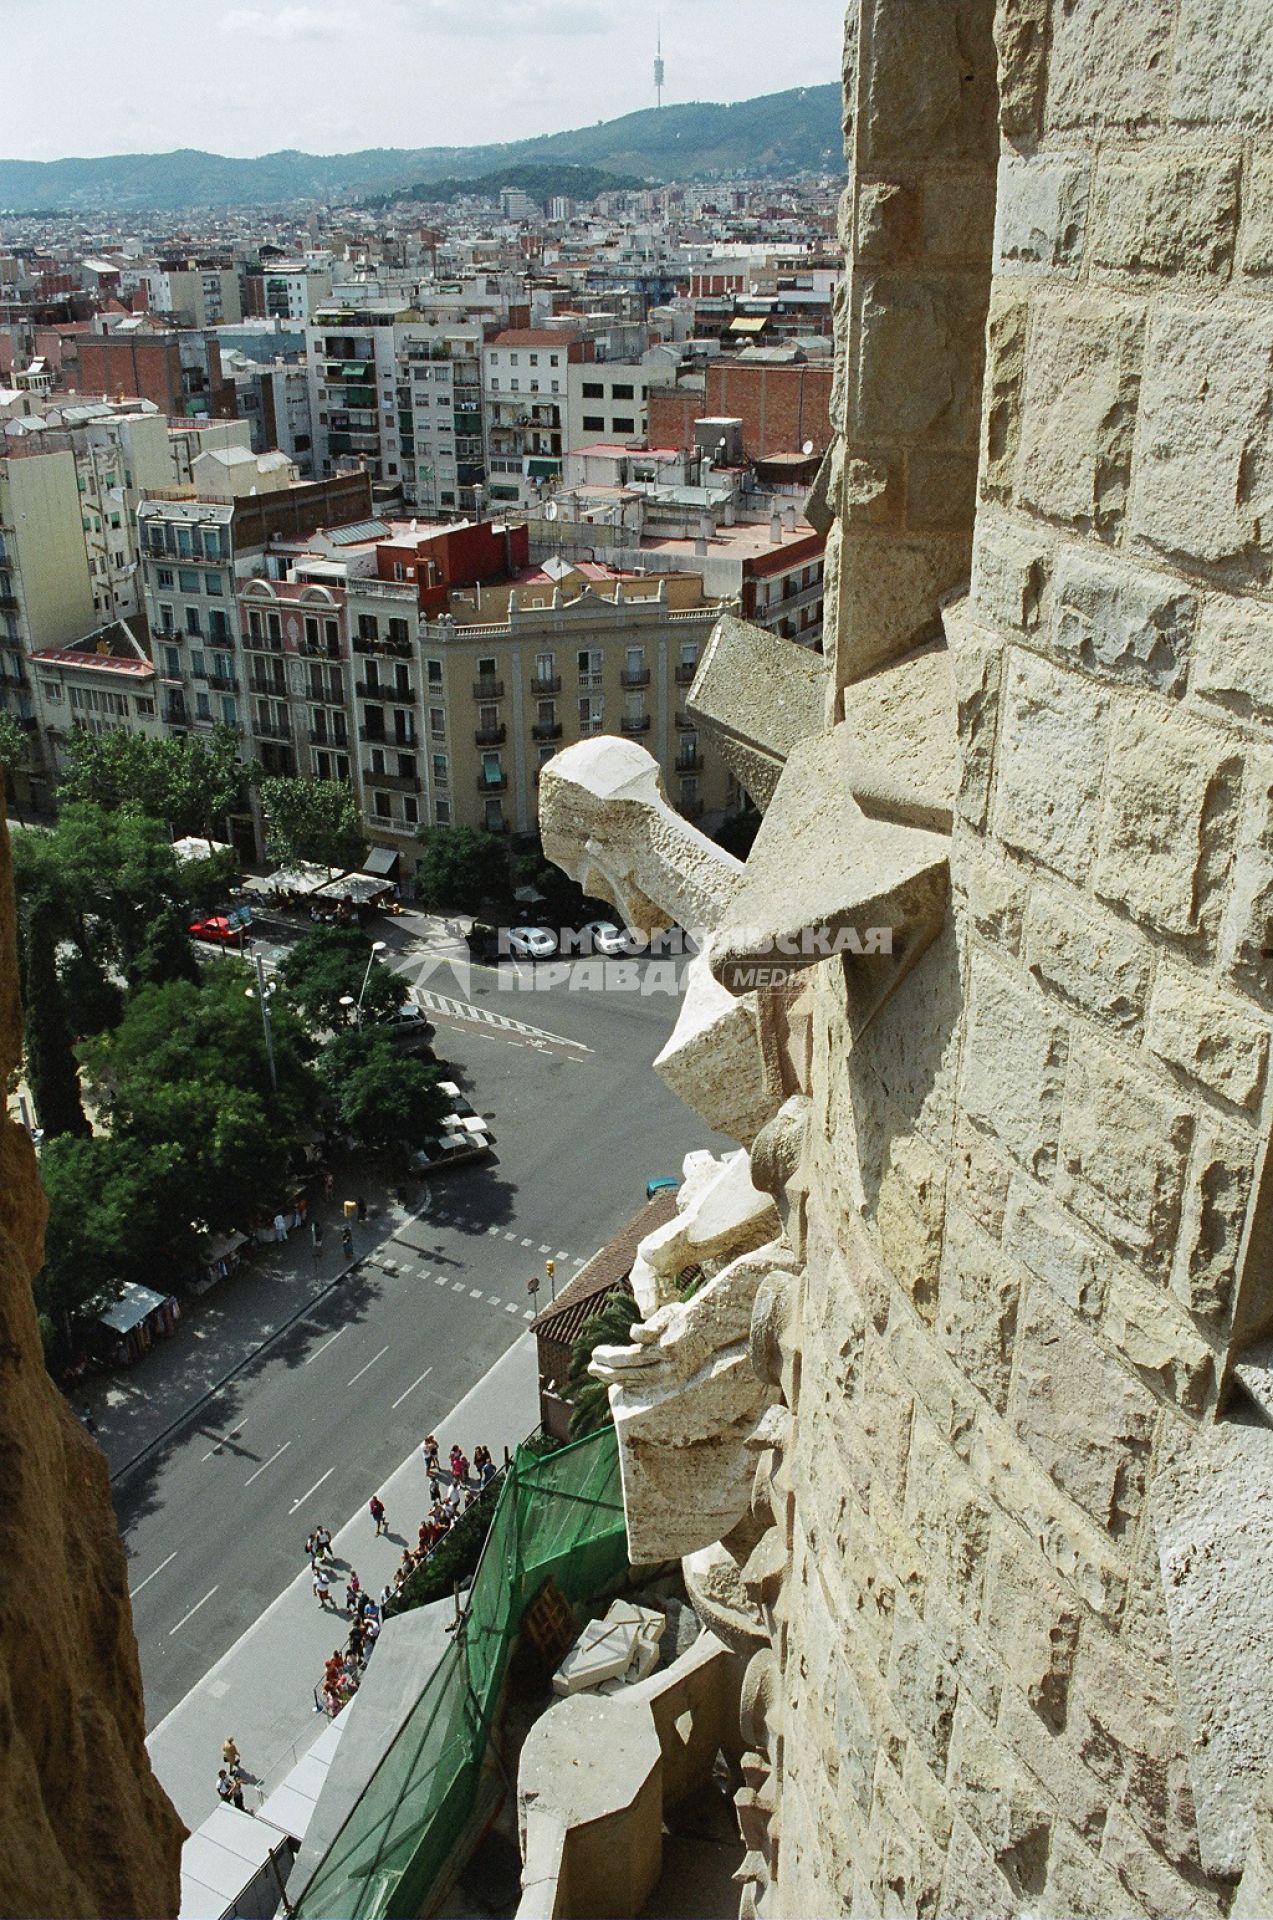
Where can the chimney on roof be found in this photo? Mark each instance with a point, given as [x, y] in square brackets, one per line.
[789, 519]
[775, 529]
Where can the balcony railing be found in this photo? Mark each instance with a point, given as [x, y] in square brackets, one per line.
[272, 729]
[10, 679]
[492, 783]
[635, 723]
[9, 602]
[338, 743]
[635, 677]
[396, 782]
[689, 762]
[376, 643]
[488, 689]
[263, 643]
[269, 689]
[546, 730]
[490, 736]
[223, 682]
[683, 722]
[542, 686]
[685, 671]
[372, 690]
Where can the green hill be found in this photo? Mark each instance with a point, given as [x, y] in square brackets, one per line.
[777, 134]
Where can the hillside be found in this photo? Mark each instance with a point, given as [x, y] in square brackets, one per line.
[540, 179]
[777, 133]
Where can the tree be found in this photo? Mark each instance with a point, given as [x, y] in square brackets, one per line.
[192, 783]
[311, 820]
[328, 966]
[106, 1225]
[50, 1065]
[463, 869]
[737, 832]
[610, 1326]
[383, 1097]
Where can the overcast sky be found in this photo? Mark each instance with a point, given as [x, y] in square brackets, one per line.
[249, 76]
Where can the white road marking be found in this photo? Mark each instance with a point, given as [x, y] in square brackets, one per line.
[327, 1343]
[494, 1300]
[371, 1363]
[314, 1489]
[545, 1249]
[459, 1286]
[511, 1307]
[414, 1384]
[510, 1236]
[194, 1609]
[266, 1463]
[439, 1279]
[475, 1293]
[529, 1314]
[494, 1232]
[466, 1010]
[526, 1243]
[133, 1591]
[562, 1254]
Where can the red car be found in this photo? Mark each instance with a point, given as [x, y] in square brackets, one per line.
[216, 927]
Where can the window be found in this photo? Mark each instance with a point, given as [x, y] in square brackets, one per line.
[380, 806]
[486, 669]
[554, 360]
[213, 584]
[164, 578]
[197, 662]
[594, 423]
[512, 361]
[494, 385]
[534, 359]
[589, 666]
[192, 620]
[517, 386]
[172, 663]
[165, 619]
[494, 818]
[590, 714]
[188, 581]
[203, 706]
[437, 722]
[556, 386]
[625, 425]
[546, 713]
[218, 627]
[621, 392]
[229, 711]
[492, 770]
[593, 390]
[442, 813]
[410, 809]
[441, 770]
[434, 670]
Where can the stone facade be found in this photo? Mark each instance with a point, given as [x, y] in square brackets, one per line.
[1003, 1569]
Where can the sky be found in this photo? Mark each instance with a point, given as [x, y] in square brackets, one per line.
[330, 76]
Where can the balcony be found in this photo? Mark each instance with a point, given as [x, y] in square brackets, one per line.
[492, 783]
[683, 722]
[8, 602]
[10, 679]
[543, 686]
[223, 682]
[261, 642]
[685, 671]
[488, 689]
[372, 690]
[689, 760]
[338, 743]
[372, 643]
[272, 729]
[490, 736]
[635, 723]
[174, 715]
[396, 782]
[546, 730]
[635, 677]
[269, 689]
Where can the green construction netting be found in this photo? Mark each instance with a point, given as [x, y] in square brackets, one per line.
[559, 1515]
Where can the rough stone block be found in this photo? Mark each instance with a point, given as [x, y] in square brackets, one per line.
[1170, 805]
[1021, 40]
[957, 217]
[1087, 1421]
[977, 1309]
[908, 1220]
[1124, 1139]
[929, 86]
[1053, 733]
[1009, 573]
[1148, 1878]
[1041, 213]
[1032, 1623]
[1107, 66]
[885, 221]
[905, 1865]
[1246, 934]
[922, 1688]
[1233, 657]
[949, 1513]
[919, 358]
[1080, 1887]
[1212, 1039]
[1222, 66]
[1216, 1199]
[882, 1433]
[941, 490]
[1006, 326]
[977, 659]
[1047, 1757]
[1006, 1808]
[1206, 466]
[1122, 624]
[1014, 1067]
[974, 1888]
[1176, 215]
[942, 1393]
[1081, 390]
[992, 889]
[1126, 1728]
[1043, 1238]
[1255, 243]
[1092, 961]
[1073, 1546]
[977, 1182]
[1156, 1338]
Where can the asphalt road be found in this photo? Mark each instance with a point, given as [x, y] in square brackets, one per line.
[214, 1522]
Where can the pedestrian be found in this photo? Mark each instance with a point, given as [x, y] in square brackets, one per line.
[386, 1595]
[323, 1538]
[311, 1548]
[435, 1490]
[347, 1238]
[329, 1183]
[369, 1639]
[430, 1451]
[280, 1227]
[362, 1210]
[316, 1233]
[376, 1508]
[230, 1754]
[322, 1588]
[353, 1587]
[225, 1787]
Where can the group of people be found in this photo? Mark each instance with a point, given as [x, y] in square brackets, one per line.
[230, 1776]
[447, 1502]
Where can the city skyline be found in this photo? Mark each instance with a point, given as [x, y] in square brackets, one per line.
[274, 74]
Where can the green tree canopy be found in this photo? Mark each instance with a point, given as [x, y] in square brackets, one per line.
[107, 1224]
[610, 1326]
[13, 743]
[329, 965]
[48, 1059]
[462, 870]
[311, 820]
[192, 784]
[385, 1098]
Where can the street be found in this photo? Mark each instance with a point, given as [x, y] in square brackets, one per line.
[214, 1518]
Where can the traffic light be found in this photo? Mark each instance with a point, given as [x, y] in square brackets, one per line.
[550, 1268]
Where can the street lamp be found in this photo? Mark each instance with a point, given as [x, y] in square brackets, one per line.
[347, 999]
[262, 993]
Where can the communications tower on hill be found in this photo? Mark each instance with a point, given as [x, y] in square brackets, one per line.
[658, 69]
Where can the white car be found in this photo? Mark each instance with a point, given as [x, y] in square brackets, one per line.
[458, 1103]
[531, 943]
[604, 937]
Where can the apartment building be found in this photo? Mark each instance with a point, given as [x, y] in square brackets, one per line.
[105, 684]
[287, 290]
[607, 400]
[435, 671]
[399, 396]
[526, 390]
[179, 370]
[195, 293]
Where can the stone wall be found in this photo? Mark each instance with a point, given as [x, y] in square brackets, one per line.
[85, 1829]
[1005, 1568]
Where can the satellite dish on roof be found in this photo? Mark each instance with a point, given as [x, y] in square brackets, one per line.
[550, 511]
[807, 448]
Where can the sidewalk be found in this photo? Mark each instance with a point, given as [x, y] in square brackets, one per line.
[224, 1328]
[261, 1690]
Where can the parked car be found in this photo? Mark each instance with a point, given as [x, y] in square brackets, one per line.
[482, 941]
[218, 928]
[604, 937]
[458, 1103]
[531, 943]
[452, 1147]
[409, 1025]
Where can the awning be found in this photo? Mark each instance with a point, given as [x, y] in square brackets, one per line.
[354, 370]
[132, 1307]
[749, 323]
[358, 888]
[542, 469]
[382, 861]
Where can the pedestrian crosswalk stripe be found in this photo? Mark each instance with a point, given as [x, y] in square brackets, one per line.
[529, 1314]
[439, 1279]
[466, 1010]
[511, 1307]
[475, 1293]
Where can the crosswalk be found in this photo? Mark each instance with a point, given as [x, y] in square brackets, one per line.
[446, 1003]
[401, 1256]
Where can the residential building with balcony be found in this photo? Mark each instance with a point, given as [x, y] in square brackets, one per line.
[526, 388]
[106, 684]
